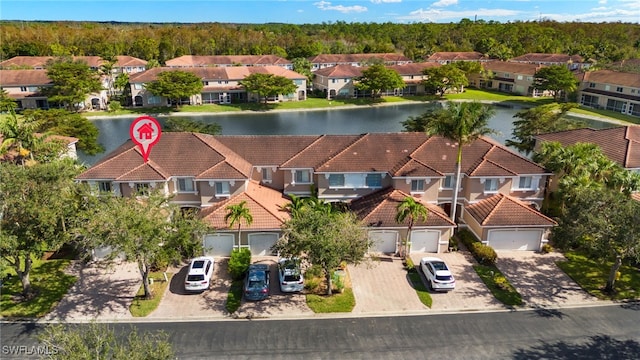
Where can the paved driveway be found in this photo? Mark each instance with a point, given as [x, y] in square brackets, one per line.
[470, 292]
[101, 292]
[181, 305]
[382, 286]
[539, 280]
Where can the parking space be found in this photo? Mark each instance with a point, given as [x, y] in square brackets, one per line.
[211, 303]
[470, 292]
[381, 285]
[539, 280]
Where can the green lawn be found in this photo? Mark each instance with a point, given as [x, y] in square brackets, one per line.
[338, 302]
[234, 297]
[47, 279]
[582, 110]
[498, 285]
[592, 277]
[141, 307]
[421, 290]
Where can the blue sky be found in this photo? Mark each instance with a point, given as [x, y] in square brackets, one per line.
[318, 11]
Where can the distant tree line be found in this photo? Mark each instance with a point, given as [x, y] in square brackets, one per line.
[602, 42]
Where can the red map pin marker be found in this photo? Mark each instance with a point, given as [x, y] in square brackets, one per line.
[145, 132]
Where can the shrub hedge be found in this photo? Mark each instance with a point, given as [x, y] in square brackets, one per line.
[239, 263]
[484, 254]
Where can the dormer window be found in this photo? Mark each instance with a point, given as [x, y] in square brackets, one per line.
[222, 188]
[417, 185]
[302, 177]
[447, 182]
[490, 185]
[266, 175]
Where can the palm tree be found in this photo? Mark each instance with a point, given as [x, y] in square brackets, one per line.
[295, 206]
[236, 213]
[463, 123]
[18, 136]
[411, 210]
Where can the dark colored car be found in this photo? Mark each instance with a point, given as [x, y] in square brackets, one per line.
[256, 283]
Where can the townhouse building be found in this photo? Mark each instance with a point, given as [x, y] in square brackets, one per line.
[24, 87]
[323, 61]
[506, 76]
[611, 90]
[444, 57]
[370, 172]
[573, 62]
[187, 61]
[221, 85]
[124, 63]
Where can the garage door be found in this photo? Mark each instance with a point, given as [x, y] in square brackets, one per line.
[425, 241]
[518, 239]
[260, 244]
[218, 244]
[383, 241]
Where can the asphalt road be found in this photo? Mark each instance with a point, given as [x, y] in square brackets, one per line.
[602, 332]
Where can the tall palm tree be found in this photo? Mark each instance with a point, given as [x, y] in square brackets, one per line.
[237, 213]
[411, 210]
[462, 122]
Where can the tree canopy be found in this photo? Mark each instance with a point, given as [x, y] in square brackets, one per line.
[540, 120]
[555, 78]
[36, 204]
[268, 85]
[71, 82]
[62, 122]
[175, 85]
[149, 230]
[604, 223]
[377, 78]
[324, 238]
[444, 78]
[6, 103]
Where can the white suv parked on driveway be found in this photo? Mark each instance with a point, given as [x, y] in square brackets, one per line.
[437, 272]
[199, 274]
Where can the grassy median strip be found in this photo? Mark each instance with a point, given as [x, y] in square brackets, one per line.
[49, 282]
[140, 307]
[592, 277]
[234, 297]
[338, 302]
[421, 290]
[498, 285]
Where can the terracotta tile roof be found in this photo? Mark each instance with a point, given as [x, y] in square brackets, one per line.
[357, 58]
[217, 73]
[148, 171]
[340, 71]
[635, 196]
[416, 168]
[323, 149]
[217, 60]
[548, 58]
[612, 77]
[412, 68]
[374, 152]
[267, 149]
[511, 67]
[24, 78]
[479, 158]
[264, 205]
[92, 61]
[457, 56]
[504, 210]
[379, 209]
[621, 144]
[176, 154]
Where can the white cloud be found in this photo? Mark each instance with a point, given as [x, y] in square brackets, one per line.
[385, 1]
[443, 3]
[325, 5]
[599, 15]
[602, 2]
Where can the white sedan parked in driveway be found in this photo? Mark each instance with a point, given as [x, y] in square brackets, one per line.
[437, 272]
[199, 274]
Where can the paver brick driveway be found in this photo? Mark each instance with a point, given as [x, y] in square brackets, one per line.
[539, 280]
[470, 292]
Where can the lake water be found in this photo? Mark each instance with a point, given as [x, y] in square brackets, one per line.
[115, 131]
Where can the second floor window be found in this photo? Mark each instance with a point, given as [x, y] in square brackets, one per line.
[336, 180]
[302, 176]
[266, 174]
[142, 189]
[417, 185]
[185, 185]
[447, 183]
[524, 182]
[619, 89]
[222, 188]
[491, 185]
[374, 180]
